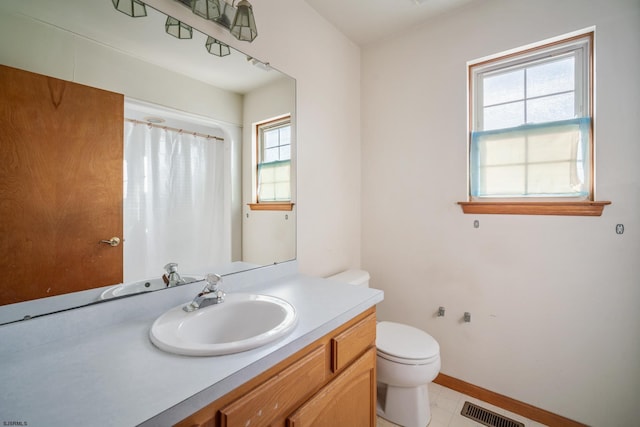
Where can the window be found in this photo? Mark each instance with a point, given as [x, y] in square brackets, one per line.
[273, 189]
[531, 121]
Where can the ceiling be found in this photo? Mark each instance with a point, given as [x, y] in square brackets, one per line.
[367, 21]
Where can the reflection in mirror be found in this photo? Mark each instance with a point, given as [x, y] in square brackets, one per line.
[174, 195]
[178, 82]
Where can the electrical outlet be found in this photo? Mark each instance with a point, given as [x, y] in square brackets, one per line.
[619, 228]
[476, 224]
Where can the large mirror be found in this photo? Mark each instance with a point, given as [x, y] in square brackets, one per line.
[169, 85]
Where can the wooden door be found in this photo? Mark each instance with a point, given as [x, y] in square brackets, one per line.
[349, 400]
[61, 162]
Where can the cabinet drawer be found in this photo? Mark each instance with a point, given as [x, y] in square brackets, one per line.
[278, 395]
[348, 345]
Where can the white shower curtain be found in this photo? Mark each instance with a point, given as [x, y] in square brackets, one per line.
[173, 202]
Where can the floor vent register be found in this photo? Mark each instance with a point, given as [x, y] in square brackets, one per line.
[487, 417]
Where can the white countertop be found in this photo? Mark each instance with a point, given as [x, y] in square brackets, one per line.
[96, 365]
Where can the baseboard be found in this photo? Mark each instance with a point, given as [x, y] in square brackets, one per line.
[507, 403]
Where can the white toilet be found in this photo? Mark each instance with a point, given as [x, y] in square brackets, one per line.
[408, 359]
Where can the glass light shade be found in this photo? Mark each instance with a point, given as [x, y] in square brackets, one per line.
[133, 8]
[178, 28]
[217, 48]
[243, 26]
[208, 9]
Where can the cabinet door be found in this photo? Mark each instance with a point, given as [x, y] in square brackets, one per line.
[61, 147]
[349, 400]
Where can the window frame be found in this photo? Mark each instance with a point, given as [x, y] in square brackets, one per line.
[517, 58]
[272, 205]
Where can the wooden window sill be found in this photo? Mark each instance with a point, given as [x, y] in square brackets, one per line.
[284, 206]
[587, 208]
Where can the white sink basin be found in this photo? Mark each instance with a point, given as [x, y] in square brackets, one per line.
[242, 322]
[138, 287]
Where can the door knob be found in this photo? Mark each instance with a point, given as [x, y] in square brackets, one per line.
[114, 241]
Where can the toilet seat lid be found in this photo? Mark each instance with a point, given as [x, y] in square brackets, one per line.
[406, 342]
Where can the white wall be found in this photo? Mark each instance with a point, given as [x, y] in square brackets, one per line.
[555, 301]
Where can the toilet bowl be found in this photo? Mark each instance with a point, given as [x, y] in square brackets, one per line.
[408, 359]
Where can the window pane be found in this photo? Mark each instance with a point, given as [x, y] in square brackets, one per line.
[551, 77]
[560, 145]
[502, 88]
[267, 192]
[285, 135]
[271, 155]
[267, 174]
[504, 116]
[285, 152]
[502, 180]
[282, 191]
[550, 178]
[555, 157]
[281, 173]
[502, 150]
[271, 138]
[551, 108]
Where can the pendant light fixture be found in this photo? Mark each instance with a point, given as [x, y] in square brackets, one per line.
[133, 8]
[178, 28]
[243, 26]
[208, 9]
[238, 19]
[216, 47]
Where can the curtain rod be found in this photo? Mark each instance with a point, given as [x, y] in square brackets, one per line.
[140, 122]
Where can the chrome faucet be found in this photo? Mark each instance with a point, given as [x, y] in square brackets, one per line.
[171, 277]
[211, 294]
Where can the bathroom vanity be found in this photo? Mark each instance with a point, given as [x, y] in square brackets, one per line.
[330, 382]
[97, 363]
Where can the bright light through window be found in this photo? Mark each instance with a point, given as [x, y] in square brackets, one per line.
[274, 161]
[531, 123]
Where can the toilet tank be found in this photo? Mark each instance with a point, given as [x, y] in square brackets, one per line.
[352, 277]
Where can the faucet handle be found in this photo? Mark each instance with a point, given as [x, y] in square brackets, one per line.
[205, 298]
[171, 267]
[212, 282]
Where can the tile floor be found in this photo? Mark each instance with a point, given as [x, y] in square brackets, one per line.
[446, 405]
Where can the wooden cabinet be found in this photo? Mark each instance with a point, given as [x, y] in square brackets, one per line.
[331, 382]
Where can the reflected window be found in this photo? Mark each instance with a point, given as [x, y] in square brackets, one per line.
[274, 161]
